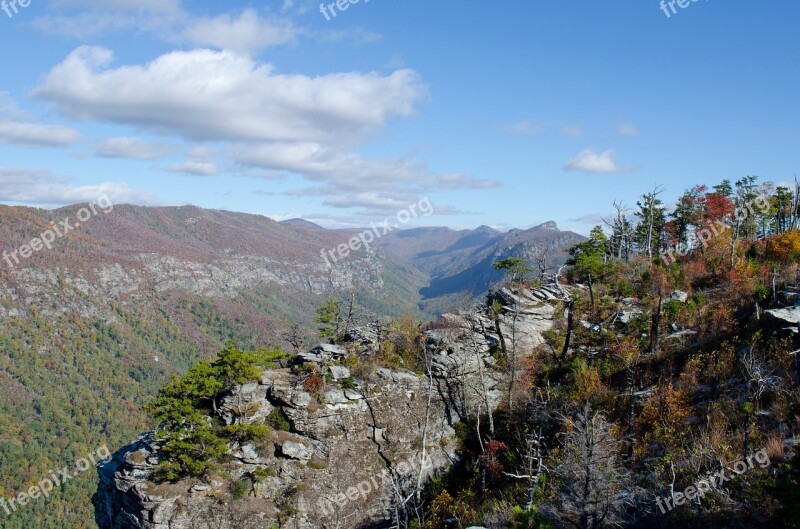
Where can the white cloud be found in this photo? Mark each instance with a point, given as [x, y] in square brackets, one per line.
[86, 19]
[589, 161]
[211, 95]
[196, 168]
[43, 188]
[628, 129]
[37, 135]
[573, 131]
[270, 124]
[246, 33]
[322, 163]
[347, 180]
[133, 148]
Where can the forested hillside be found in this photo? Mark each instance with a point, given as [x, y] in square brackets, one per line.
[653, 382]
[90, 329]
[666, 394]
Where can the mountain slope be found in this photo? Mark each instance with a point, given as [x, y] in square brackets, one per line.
[92, 327]
[460, 262]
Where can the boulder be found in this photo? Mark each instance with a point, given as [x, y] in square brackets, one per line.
[295, 450]
[322, 353]
[339, 372]
[626, 316]
[679, 295]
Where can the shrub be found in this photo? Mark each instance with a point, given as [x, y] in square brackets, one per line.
[314, 384]
[277, 420]
[785, 247]
[673, 308]
[241, 488]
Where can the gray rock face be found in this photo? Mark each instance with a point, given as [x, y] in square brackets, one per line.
[324, 353]
[788, 315]
[339, 372]
[344, 443]
[294, 450]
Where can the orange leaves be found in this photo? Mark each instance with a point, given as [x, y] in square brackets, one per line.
[314, 384]
[785, 247]
[664, 416]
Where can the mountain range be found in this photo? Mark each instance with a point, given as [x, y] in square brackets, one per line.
[91, 327]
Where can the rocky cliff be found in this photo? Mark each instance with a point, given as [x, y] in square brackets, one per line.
[344, 455]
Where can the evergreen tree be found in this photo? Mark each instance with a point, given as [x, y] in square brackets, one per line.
[688, 213]
[514, 267]
[782, 209]
[193, 438]
[590, 259]
[329, 318]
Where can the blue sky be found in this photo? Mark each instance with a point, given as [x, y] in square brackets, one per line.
[507, 115]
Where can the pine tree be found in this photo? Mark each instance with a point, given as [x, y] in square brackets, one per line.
[329, 318]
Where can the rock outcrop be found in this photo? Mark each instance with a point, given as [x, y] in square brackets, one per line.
[340, 455]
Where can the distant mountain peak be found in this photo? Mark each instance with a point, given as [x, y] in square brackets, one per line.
[486, 229]
[302, 223]
[549, 225]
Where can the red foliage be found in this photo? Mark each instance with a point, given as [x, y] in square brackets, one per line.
[494, 447]
[718, 207]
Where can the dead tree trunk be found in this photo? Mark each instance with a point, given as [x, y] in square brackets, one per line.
[656, 326]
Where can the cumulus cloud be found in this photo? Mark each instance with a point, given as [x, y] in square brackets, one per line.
[246, 33]
[269, 124]
[43, 188]
[210, 95]
[589, 161]
[133, 148]
[37, 135]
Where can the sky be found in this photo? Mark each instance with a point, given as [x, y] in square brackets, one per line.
[506, 114]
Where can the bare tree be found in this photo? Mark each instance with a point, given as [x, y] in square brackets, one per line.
[621, 239]
[532, 457]
[294, 336]
[593, 490]
[761, 378]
